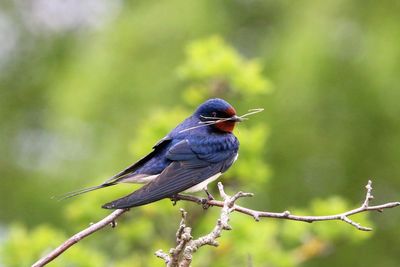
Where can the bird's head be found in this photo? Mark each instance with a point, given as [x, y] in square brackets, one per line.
[219, 114]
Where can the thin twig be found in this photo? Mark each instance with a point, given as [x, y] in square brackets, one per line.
[288, 216]
[187, 249]
[182, 254]
[109, 220]
[214, 120]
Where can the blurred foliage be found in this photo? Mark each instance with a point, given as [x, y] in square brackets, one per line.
[85, 94]
[214, 68]
[23, 247]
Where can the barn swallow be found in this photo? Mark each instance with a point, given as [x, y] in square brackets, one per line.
[187, 159]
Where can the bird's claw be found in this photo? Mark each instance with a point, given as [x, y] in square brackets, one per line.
[174, 199]
[209, 196]
[204, 203]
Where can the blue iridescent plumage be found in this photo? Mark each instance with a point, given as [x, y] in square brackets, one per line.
[200, 147]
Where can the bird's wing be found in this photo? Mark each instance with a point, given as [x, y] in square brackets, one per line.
[156, 149]
[116, 178]
[186, 171]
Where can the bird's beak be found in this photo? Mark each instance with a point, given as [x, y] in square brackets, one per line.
[235, 118]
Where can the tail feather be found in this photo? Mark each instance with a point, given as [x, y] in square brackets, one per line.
[132, 200]
[82, 191]
[123, 202]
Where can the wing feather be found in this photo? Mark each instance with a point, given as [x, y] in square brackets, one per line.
[188, 168]
[123, 174]
[129, 170]
[177, 177]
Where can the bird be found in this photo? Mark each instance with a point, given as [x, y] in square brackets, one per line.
[196, 152]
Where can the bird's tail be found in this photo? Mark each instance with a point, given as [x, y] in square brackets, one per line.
[82, 191]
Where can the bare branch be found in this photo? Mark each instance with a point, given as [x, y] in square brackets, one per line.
[109, 220]
[288, 216]
[368, 196]
[181, 255]
[228, 205]
[164, 256]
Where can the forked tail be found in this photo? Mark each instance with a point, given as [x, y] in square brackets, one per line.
[82, 191]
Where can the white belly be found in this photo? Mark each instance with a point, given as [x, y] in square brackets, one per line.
[203, 184]
[236, 157]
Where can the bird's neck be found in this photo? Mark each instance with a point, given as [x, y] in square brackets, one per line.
[225, 126]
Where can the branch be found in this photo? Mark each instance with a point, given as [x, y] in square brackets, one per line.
[109, 220]
[182, 254]
[288, 216]
[228, 205]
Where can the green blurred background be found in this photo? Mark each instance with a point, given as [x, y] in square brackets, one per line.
[86, 87]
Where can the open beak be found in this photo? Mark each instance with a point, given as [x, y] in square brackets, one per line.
[235, 118]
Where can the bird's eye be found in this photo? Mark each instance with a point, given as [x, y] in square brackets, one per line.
[214, 114]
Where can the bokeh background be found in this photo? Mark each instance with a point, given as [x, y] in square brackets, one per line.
[87, 87]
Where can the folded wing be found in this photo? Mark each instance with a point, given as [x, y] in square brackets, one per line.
[186, 171]
[163, 143]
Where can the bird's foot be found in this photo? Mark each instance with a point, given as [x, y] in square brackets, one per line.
[209, 196]
[204, 203]
[174, 199]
